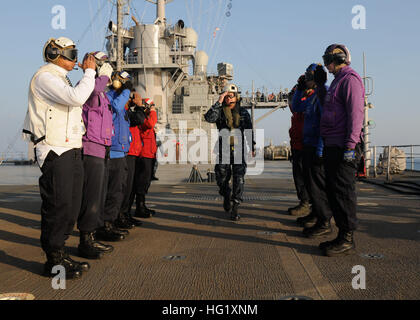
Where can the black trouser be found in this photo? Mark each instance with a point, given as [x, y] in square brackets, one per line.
[93, 193]
[314, 175]
[223, 174]
[297, 165]
[114, 181]
[143, 177]
[60, 187]
[128, 187]
[341, 188]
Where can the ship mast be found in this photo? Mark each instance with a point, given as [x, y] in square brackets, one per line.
[120, 19]
[160, 10]
[367, 81]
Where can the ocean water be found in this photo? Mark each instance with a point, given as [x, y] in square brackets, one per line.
[167, 174]
[29, 175]
[416, 166]
[19, 175]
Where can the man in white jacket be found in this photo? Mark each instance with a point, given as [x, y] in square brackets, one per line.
[54, 124]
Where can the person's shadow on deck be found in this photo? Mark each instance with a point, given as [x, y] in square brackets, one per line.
[216, 216]
[302, 248]
[30, 266]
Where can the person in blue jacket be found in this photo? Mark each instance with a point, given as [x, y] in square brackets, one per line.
[307, 99]
[116, 167]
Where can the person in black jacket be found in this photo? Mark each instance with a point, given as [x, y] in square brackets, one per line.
[231, 120]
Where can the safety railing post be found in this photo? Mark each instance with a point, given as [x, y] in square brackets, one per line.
[412, 157]
[374, 162]
[388, 175]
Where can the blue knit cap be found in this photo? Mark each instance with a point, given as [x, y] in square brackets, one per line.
[309, 74]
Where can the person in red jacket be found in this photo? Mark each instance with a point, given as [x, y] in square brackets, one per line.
[136, 118]
[296, 144]
[143, 175]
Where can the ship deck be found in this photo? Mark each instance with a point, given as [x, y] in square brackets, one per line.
[261, 257]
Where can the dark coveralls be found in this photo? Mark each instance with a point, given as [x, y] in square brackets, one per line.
[226, 166]
[296, 142]
[313, 164]
[341, 128]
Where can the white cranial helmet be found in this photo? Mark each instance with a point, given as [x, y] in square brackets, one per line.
[230, 88]
[62, 46]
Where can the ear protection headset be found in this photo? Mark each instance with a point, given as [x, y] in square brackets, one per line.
[100, 59]
[338, 54]
[118, 79]
[54, 48]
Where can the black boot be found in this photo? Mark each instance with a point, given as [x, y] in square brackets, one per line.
[83, 266]
[107, 233]
[324, 245]
[151, 211]
[105, 248]
[141, 211]
[234, 215]
[302, 209]
[343, 246]
[292, 208]
[123, 222]
[226, 203]
[87, 248]
[307, 221]
[118, 230]
[134, 221]
[57, 258]
[321, 228]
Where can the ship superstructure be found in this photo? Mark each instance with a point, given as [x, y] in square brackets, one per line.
[167, 67]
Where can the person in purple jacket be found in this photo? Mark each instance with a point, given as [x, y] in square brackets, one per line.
[97, 117]
[341, 130]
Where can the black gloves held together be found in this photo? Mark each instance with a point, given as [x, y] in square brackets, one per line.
[127, 85]
[301, 84]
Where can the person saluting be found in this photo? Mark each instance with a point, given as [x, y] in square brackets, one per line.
[54, 124]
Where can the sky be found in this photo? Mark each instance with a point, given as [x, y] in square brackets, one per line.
[269, 42]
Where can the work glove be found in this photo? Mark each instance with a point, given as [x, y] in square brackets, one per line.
[105, 70]
[349, 155]
[301, 84]
[128, 85]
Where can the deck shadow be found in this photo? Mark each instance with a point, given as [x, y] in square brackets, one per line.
[219, 210]
[24, 222]
[302, 248]
[222, 216]
[19, 239]
[30, 266]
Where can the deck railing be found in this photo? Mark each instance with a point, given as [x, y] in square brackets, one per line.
[383, 161]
